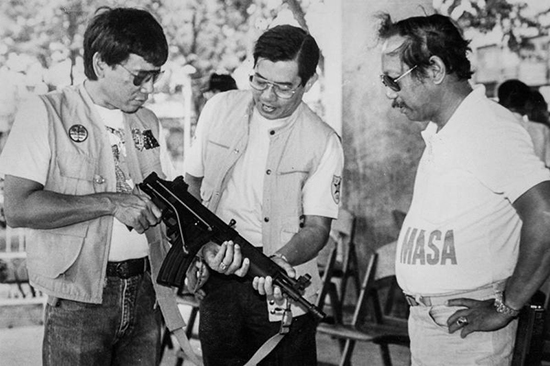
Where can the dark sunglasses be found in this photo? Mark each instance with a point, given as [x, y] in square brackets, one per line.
[392, 82]
[144, 76]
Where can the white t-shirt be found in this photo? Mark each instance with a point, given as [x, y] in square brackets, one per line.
[242, 199]
[461, 231]
[27, 155]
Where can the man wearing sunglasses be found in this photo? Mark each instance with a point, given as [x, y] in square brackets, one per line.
[264, 159]
[475, 244]
[71, 164]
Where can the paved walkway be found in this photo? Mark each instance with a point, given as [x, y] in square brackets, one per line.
[20, 346]
[21, 339]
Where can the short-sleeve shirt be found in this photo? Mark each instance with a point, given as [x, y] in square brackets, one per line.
[461, 231]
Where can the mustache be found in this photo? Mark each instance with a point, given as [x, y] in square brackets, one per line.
[398, 104]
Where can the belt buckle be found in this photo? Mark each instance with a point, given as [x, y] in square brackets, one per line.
[121, 270]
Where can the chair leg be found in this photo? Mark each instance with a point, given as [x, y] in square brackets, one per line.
[385, 353]
[166, 342]
[345, 360]
[335, 304]
[191, 322]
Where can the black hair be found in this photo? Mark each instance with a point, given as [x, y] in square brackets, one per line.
[116, 33]
[287, 43]
[536, 107]
[427, 36]
[221, 82]
[513, 94]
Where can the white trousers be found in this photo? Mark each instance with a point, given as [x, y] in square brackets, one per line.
[433, 345]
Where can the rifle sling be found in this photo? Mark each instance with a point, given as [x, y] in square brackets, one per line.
[265, 349]
[186, 346]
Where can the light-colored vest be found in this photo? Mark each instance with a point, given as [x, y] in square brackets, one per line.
[70, 262]
[295, 152]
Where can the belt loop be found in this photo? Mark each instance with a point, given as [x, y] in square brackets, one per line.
[53, 301]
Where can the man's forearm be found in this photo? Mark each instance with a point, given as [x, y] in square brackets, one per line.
[533, 265]
[49, 210]
[532, 269]
[306, 243]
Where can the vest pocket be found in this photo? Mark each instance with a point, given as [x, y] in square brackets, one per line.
[51, 252]
[78, 171]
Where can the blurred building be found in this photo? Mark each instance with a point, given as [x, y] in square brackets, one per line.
[494, 63]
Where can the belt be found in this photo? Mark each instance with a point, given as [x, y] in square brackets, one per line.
[479, 294]
[128, 268]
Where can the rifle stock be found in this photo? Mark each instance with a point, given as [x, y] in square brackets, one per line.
[190, 225]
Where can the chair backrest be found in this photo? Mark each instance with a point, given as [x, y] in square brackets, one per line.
[334, 259]
[367, 285]
[379, 294]
[340, 236]
[387, 298]
[342, 233]
[398, 218]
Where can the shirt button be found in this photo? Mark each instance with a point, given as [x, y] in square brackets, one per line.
[99, 179]
[272, 132]
[266, 219]
[268, 172]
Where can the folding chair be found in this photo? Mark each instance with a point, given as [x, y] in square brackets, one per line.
[340, 264]
[379, 326]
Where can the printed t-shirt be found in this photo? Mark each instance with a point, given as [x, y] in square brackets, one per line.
[461, 231]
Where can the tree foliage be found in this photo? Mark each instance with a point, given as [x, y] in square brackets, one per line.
[204, 36]
[208, 35]
[518, 21]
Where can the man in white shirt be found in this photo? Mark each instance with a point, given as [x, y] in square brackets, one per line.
[475, 245]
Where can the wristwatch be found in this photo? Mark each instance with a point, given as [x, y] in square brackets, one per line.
[501, 307]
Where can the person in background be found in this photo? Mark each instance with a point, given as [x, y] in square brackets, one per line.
[71, 164]
[264, 159]
[219, 83]
[517, 97]
[475, 244]
[536, 108]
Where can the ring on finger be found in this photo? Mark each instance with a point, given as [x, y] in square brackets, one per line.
[223, 266]
[462, 321]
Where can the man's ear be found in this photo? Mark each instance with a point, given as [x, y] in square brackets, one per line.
[99, 65]
[310, 82]
[437, 70]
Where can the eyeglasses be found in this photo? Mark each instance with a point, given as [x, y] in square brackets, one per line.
[280, 90]
[144, 76]
[392, 83]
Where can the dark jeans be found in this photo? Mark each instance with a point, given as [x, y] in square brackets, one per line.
[234, 324]
[124, 330]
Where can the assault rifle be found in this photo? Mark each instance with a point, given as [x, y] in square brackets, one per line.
[190, 225]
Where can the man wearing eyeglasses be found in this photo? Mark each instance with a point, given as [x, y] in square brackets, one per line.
[475, 245]
[70, 165]
[263, 158]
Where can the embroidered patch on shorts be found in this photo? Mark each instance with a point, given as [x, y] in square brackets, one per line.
[78, 133]
[144, 139]
[335, 188]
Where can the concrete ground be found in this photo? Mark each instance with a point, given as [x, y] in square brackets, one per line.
[21, 333]
[20, 346]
